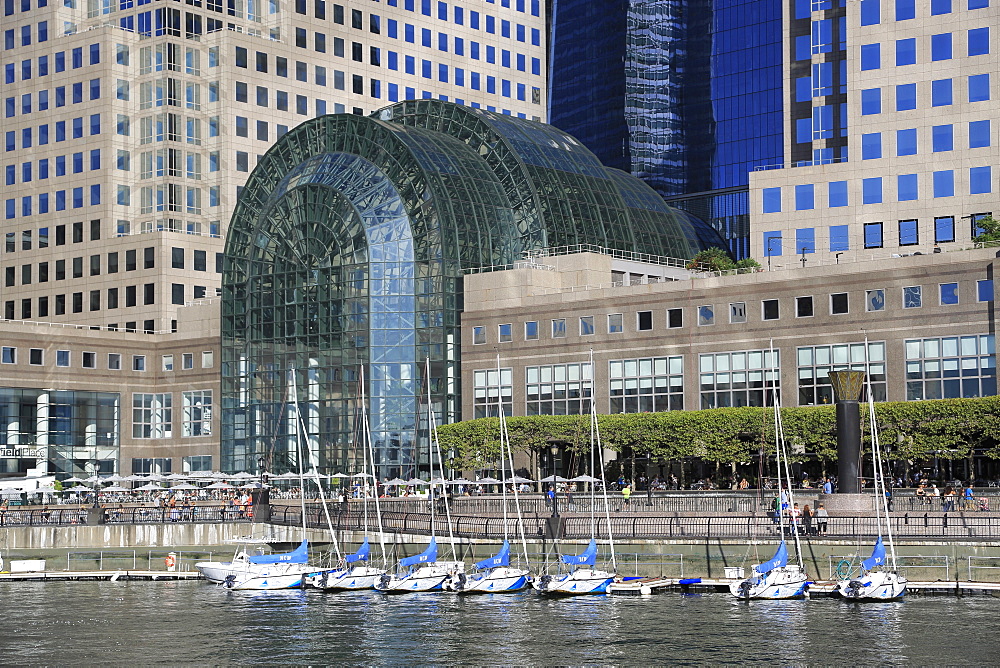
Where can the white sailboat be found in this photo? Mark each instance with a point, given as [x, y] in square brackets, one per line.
[423, 572]
[878, 580]
[268, 571]
[356, 572]
[495, 574]
[776, 578]
[584, 577]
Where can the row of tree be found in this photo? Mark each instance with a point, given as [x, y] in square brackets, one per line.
[911, 430]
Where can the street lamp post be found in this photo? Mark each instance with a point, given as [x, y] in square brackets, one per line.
[770, 240]
[554, 453]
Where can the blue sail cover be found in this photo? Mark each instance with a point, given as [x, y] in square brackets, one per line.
[361, 554]
[779, 559]
[877, 558]
[428, 556]
[299, 555]
[502, 558]
[588, 558]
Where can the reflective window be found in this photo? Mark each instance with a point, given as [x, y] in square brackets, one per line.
[951, 367]
[747, 378]
[646, 385]
[816, 362]
[488, 388]
[559, 389]
[912, 297]
[949, 293]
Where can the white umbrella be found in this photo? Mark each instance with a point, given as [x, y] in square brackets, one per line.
[285, 476]
[460, 481]
[114, 478]
[416, 481]
[184, 485]
[584, 478]
[114, 488]
[148, 486]
[134, 478]
[156, 477]
[93, 479]
[74, 479]
[80, 488]
[219, 485]
[217, 475]
[252, 485]
[315, 474]
[437, 481]
[519, 479]
[554, 478]
[340, 475]
[362, 475]
[395, 482]
[488, 481]
[175, 476]
[243, 475]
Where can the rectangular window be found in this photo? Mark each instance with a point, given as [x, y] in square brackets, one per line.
[804, 307]
[871, 190]
[646, 384]
[839, 303]
[912, 297]
[615, 323]
[737, 313]
[559, 328]
[906, 97]
[950, 367]
[873, 235]
[906, 187]
[949, 293]
[152, 415]
[675, 318]
[942, 138]
[196, 413]
[941, 93]
[979, 134]
[944, 183]
[805, 240]
[505, 334]
[944, 229]
[804, 199]
[871, 146]
[979, 41]
[839, 239]
[644, 321]
[871, 101]
[984, 290]
[772, 200]
[815, 363]
[909, 233]
[941, 46]
[746, 378]
[870, 12]
[979, 87]
[586, 325]
[980, 180]
[531, 330]
[9, 355]
[871, 58]
[837, 193]
[706, 315]
[906, 51]
[939, 7]
[906, 142]
[62, 358]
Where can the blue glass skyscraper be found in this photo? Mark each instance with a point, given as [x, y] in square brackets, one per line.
[685, 94]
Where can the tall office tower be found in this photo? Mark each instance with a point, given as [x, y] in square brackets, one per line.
[917, 116]
[685, 95]
[130, 127]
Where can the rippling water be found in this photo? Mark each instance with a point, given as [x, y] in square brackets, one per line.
[190, 622]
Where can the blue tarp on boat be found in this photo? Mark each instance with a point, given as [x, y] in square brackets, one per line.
[587, 558]
[361, 554]
[877, 558]
[428, 556]
[502, 558]
[779, 559]
[299, 555]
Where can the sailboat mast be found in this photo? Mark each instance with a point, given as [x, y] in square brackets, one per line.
[505, 443]
[369, 455]
[298, 448]
[779, 437]
[595, 436]
[436, 448]
[503, 461]
[877, 464]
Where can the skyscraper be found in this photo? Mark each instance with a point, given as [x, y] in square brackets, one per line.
[687, 96]
[129, 129]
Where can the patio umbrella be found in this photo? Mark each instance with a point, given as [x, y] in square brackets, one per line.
[518, 479]
[315, 474]
[243, 475]
[114, 478]
[584, 478]
[74, 479]
[362, 475]
[285, 476]
[340, 475]
[80, 488]
[487, 481]
[175, 476]
[219, 485]
[147, 487]
[437, 481]
[114, 488]
[184, 485]
[92, 479]
[460, 481]
[416, 481]
[554, 478]
[133, 478]
[395, 482]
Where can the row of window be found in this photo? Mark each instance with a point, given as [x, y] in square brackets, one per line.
[942, 140]
[78, 93]
[458, 15]
[62, 130]
[936, 368]
[30, 273]
[941, 47]
[88, 360]
[60, 165]
[706, 315]
[979, 180]
[61, 200]
[905, 10]
[908, 233]
[75, 303]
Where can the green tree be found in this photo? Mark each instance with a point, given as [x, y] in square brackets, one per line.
[712, 259]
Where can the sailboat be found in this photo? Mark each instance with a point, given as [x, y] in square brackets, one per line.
[356, 572]
[495, 574]
[268, 571]
[878, 580]
[776, 578]
[584, 577]
[423, 572]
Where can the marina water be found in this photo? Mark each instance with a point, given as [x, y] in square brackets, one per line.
[131, 623]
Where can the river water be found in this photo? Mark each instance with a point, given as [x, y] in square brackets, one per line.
[133, 623]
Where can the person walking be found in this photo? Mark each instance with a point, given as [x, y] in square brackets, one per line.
[626, 496]
[827, 486]
[822, 516]
[807, 521]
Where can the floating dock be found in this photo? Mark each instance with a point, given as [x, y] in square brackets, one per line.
[107, 576]
[818, 589]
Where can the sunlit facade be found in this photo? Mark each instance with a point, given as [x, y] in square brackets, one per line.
[347, 252]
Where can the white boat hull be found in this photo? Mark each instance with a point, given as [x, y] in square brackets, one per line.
[354, 578]
[495, 580]
[873, 586]
[219, 571]
[781, 583]
[264, 582]
[428, 577]
[580, 581]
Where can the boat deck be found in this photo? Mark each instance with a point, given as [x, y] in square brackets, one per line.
[818, 588]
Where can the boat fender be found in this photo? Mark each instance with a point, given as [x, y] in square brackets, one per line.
[544, 581]
[644, 590]
[689, 581]
[229, 582]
